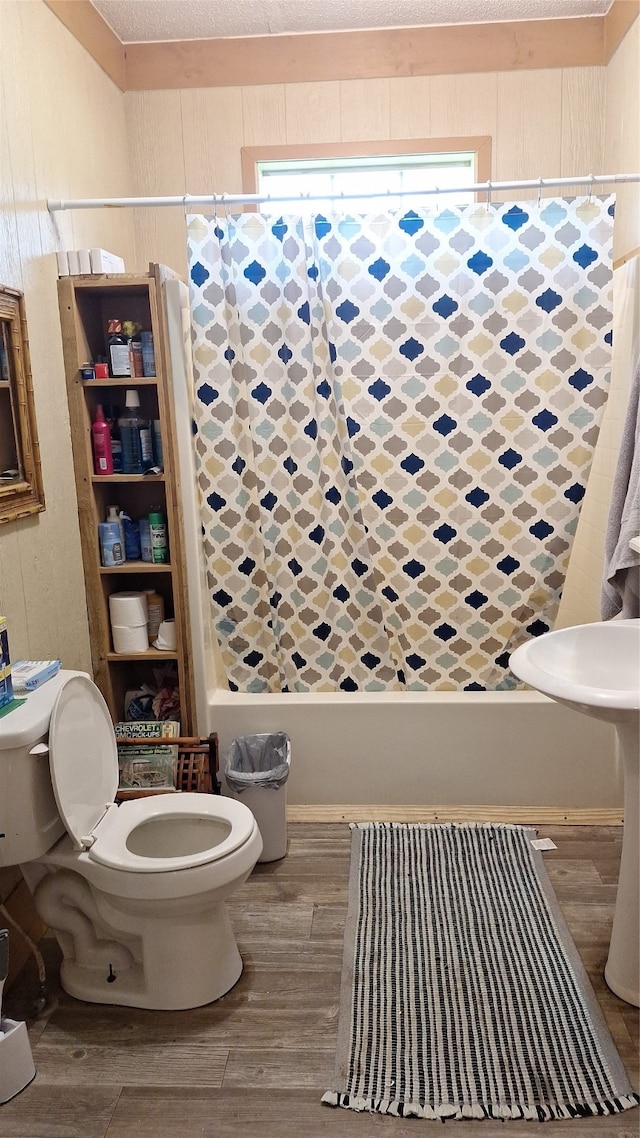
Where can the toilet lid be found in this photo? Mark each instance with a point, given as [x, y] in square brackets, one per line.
[83, 757]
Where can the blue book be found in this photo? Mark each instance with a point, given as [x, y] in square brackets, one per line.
[27, 675]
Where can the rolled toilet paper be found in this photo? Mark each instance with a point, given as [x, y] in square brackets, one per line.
[128, 609]
[166, 641]
[130, 638]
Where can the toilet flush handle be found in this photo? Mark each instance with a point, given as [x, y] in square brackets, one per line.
[40, 749]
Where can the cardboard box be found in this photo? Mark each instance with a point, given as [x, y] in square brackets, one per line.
[27, 675]
[6, 685]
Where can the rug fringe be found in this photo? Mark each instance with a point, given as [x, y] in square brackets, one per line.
[442, 826]
[546, 1112]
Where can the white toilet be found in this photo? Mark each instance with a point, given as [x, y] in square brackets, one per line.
[135, 893]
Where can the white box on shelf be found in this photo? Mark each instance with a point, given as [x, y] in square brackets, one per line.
[63, 263]
[104, 262]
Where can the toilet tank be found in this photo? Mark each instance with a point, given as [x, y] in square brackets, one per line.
[29, 820]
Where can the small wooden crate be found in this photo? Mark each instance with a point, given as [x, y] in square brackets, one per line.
[198, 766]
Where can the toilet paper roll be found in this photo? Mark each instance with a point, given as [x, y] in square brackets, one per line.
[130, 638]
[166, 641]
[128, 609]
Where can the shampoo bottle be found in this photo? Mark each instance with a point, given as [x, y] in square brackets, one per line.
[101, 439]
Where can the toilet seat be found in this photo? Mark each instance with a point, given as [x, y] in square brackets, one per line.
[213, 813]
[83, 758]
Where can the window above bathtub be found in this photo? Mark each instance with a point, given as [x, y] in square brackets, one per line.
[390, 167]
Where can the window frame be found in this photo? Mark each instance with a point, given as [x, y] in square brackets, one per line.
[478, 145]
[23, 495]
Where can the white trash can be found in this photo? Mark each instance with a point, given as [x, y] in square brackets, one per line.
[256, 771]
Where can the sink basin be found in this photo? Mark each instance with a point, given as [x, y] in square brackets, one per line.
[595, 669]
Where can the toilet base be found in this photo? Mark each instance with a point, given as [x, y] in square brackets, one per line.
[142, 940]
[128, 989]
[115, 952]
[174, 967]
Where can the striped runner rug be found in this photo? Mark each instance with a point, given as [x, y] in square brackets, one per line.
[463, 995]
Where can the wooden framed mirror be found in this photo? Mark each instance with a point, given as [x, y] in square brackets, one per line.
[21, 491]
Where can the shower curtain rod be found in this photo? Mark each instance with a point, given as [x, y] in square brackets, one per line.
[185, 200]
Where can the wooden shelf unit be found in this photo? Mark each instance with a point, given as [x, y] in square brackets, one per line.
[86, 304]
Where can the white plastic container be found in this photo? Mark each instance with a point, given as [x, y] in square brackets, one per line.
[17, 1069]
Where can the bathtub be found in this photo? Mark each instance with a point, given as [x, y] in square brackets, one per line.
[431, 748]
[497, 749]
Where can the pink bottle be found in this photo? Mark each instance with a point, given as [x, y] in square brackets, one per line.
[101, 438]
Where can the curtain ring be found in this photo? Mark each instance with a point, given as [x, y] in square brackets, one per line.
[489, 192]
[215, 207]
[539, 190]
[225, 206]
[591, 181]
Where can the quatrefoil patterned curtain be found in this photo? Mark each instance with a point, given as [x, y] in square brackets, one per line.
[395, 420]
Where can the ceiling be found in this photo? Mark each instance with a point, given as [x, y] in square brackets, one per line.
[135, 21]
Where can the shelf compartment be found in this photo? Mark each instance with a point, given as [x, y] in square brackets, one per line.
[115, 397]
[136, 499]
[131, 673]
[96, 305]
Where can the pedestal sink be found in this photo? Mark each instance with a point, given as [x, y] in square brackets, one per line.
[595, 669]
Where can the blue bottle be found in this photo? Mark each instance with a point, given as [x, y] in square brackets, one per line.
[131, 538]
[129, 428]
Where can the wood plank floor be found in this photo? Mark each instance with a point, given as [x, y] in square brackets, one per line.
[257, 1062]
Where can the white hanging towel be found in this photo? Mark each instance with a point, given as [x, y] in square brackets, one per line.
[620, 594]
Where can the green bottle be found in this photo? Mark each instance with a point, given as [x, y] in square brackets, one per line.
[158, 534]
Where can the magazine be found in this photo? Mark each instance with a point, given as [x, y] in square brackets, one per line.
[149, 766]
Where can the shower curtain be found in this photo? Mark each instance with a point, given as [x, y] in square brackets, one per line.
[395, 419]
